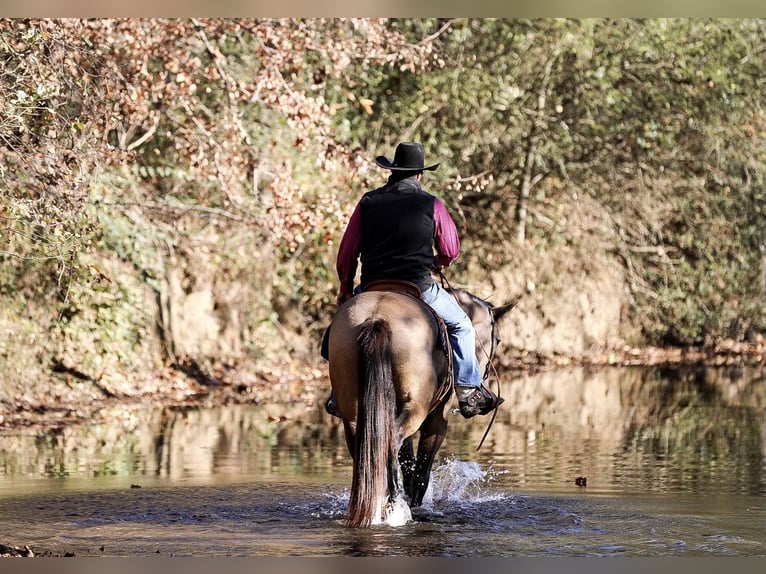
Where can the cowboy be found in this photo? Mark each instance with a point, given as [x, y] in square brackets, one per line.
[395, 230]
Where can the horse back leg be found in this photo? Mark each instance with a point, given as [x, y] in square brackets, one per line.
[350, 434]
[407, 464]
[411, 419]
[432, 435]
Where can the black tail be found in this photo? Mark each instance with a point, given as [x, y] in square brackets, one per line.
[375, 453]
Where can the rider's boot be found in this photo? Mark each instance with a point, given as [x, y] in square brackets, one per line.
[476, 400]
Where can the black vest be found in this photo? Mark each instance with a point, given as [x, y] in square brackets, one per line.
[398, 233]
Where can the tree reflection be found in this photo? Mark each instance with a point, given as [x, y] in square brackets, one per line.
[691, 430]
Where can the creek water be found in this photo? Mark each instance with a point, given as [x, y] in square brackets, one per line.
[579, 462]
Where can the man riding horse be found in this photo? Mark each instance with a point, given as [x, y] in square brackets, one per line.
[395, 230]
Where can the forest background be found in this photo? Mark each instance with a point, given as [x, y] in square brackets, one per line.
[173, 192]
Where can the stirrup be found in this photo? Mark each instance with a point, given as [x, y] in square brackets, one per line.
[331, 407]
[479, 402]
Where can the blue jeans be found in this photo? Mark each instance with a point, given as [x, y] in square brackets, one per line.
[461, 335]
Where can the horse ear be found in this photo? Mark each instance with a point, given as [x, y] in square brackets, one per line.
[502, 310]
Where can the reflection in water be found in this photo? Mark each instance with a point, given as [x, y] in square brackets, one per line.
[174, 444]
[631, 430]
[273, 480]
[639, 430]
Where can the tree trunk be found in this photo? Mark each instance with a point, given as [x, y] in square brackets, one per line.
[529, 179]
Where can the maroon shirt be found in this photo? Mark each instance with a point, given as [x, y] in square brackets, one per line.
[446, 242]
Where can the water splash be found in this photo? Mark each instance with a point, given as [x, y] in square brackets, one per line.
[335, 506]
[397, 513]
[455, 484]
[458, 481]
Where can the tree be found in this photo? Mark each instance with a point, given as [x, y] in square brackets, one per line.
[660, 121]
[140, 139]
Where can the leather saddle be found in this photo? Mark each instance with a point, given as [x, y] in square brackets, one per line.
[396, 285]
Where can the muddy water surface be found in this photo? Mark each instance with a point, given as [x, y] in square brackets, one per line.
[673, 464]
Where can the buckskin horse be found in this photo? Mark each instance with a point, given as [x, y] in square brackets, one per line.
[391, 375]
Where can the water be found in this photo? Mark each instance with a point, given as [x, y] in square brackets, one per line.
[673, 462]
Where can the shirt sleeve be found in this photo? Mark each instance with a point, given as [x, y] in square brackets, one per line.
[348, 252]
[445, 235]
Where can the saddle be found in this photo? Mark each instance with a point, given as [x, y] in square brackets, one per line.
[396, 285]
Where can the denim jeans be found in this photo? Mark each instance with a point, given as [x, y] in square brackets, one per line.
[461, 335]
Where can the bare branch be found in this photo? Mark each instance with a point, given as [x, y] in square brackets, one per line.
[147, 135]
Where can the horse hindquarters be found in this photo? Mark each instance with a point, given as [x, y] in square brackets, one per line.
[376, 467]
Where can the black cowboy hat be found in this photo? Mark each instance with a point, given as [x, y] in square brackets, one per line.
[409, 156]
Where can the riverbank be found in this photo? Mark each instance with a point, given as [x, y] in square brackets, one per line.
[170, 387]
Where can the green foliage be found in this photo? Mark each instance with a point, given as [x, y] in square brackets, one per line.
[661, 121]
[131, 140]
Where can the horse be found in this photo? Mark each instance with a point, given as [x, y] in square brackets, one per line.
[391, 376]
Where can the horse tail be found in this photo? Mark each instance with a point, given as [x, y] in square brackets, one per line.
[375, 446]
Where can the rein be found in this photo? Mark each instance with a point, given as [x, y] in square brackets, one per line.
[490, 365]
